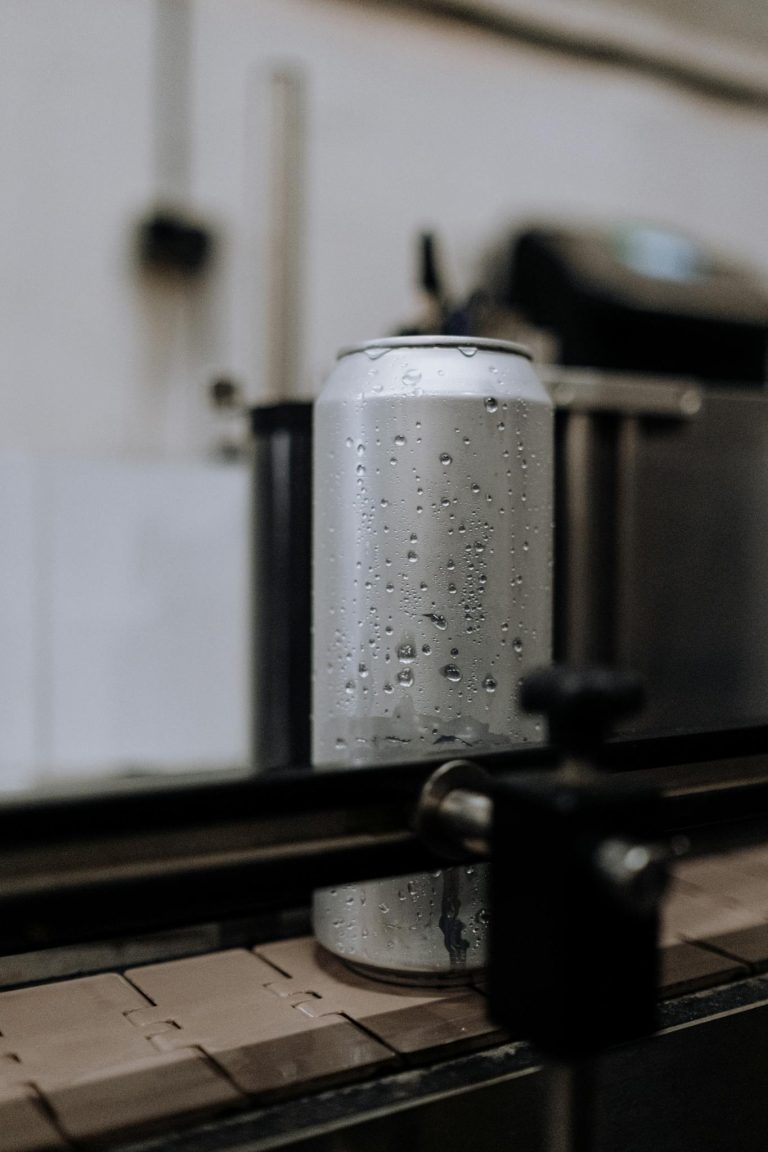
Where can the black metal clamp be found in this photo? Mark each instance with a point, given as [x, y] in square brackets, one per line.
[577, 879]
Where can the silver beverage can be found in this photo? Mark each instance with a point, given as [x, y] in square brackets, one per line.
[432, 597]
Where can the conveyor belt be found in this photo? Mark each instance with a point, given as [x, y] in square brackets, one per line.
[113, 1055]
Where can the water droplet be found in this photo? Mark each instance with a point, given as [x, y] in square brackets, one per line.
[426, 649]
[500, 425]
[388, 689]
[412, 376]
[505, 627]
[349, 442]
[475, 488]
[517, 644]
[526, 545]
[489, 684]
[452, 589]
[405, 677]
[467, 349]
[362, 671]
[406, 653]
[360, 469]
[491, 404]
[384, 502]
[361, 449]
[454, 651]
[450, 565]
[438, 620]
[376, 353]
[414, 537]
[399, 440]
[383, 908]
[349, 687]
[393, 460]
[444, 502]
[446, 458]
[412, 557]
[452, 673]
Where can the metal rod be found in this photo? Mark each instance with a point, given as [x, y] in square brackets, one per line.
[468, 815]
[570, 1107]
[286, 219]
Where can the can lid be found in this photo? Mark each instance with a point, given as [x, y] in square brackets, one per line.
[437, 342]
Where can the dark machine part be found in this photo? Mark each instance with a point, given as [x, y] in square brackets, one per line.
[661, 560]
[581, 704]
[640, 299]
[170, 241]
[578, 873]
[438, 313]
[660, 556]
[281, 589]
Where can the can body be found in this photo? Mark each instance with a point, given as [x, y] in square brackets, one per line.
[432, 558]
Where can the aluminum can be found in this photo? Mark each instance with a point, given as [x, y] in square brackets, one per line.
[432, 576]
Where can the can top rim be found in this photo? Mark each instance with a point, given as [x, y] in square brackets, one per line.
[438, 342]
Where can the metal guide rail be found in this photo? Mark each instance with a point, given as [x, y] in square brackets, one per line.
[76, 869]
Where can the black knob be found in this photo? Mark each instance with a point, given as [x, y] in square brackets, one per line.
[581, 704]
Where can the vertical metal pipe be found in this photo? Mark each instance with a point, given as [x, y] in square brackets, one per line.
[627, 455]
[578, 510]
[172, 80]
[570, 1107]
[280, 565]
[285, 233]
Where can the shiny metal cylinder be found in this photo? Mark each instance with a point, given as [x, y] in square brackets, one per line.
[432, 556]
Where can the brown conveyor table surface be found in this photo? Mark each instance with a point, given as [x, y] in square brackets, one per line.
[113, 1055]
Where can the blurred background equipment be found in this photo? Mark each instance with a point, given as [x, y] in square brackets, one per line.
[637, 298]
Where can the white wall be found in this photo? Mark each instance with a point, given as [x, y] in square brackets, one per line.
[123, 617]
[412, 122]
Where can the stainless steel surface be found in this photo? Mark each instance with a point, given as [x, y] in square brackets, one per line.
[665, 554]
[469, 814]
[432, 598]
[453, 814]
[581, 591]
[600, 416]
[584, 390]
